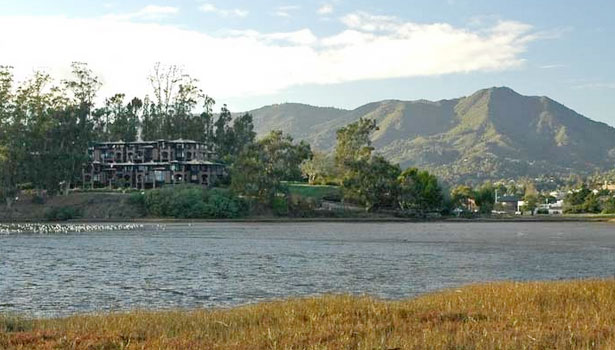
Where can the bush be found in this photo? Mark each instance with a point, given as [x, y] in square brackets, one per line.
[302, 207]
[191, 202]
[279, 205]
[62, 213]
[25, 186]
[38, 199]
[609, 206]
[542, 211]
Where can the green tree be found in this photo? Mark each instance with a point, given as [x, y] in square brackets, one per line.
[373, 183]
[117, 121]
[591, 204]
[75, 129]
[420, 192]
[530, 203]
[241, 134]
[12, 138]
[319, 169]
[223, 135]
[354, 145]
[262, 166]
[575, 202]
[609, 206]
[170, 114]
[485, 198]
[460, 195]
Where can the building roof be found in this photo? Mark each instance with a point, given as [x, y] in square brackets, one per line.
[145, 142]
[192, 162]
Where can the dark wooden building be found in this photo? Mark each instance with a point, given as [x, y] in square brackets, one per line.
[150, 164]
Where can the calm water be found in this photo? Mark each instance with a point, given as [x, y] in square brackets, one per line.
[225, 264]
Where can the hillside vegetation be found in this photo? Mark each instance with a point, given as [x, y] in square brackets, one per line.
[494, 133]
[546, 315]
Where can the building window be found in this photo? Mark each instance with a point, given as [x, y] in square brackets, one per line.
[159, 176]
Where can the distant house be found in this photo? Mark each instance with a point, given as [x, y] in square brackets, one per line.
[150, 164]
[507, 203]
[608, 187]
[558, 194]
[556, 208]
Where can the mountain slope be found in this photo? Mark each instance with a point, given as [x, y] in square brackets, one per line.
[494, 133]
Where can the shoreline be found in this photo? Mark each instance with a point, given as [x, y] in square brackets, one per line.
[542, 219]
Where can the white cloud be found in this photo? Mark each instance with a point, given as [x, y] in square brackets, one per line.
[244, 63]
[210, 8]
[325, 9]
[553, 66]
[285, 11]
[300, 37]
[149, 12]
[370, 23]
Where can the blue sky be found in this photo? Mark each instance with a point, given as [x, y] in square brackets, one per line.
[330, 53]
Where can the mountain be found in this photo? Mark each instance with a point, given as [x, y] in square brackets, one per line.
[494, 133]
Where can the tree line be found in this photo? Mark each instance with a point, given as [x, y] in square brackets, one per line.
[46, 127]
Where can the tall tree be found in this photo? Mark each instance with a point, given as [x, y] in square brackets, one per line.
[242, 133]
[170, 114]
[373, 184]
[117, 121]
[262, 166]
[485, 198]
[75, 129]
[223, 134]
[461, 194]
[419, 192]
[11, 137]
[354, 144]
[320, 168]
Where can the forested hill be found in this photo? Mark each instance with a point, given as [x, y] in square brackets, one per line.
[494, 133]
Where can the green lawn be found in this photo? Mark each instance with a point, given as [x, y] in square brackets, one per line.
[316, 192]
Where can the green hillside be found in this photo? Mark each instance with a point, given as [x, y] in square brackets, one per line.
[494, 133]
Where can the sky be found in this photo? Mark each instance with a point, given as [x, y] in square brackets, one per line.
[338, 53]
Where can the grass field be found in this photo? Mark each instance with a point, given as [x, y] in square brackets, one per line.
[313, 191]
[545, 315]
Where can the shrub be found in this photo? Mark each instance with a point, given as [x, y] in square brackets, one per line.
[38, 199]
[301, 207]
[191, 202]
[609, 206]
[279, 205]
[62, 213]
[25, 186]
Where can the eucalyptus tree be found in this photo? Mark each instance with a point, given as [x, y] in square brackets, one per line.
[117, 120]
[354, 145]
[262, 166]
[74, 129]
[11, 137]
[419, 192]
[172, 113]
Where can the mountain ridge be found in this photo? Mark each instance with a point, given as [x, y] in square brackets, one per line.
[493, 133]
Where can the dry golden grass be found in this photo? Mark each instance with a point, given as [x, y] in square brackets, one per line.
[542, 315]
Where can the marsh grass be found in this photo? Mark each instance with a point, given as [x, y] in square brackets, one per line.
[507, 315]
